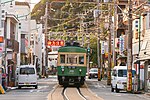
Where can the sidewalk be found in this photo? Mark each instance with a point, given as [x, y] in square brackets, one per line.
[148, 93]
[104, 82]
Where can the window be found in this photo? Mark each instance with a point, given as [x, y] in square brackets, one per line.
[3, 11]
[123, 73]
[27, 70]
[31, 71]
[23, 36]
[62, 58]
[81, 59]
[114, 72]
[2, 23]
[94, 70]
[136, 21]
[136, 25]
[144, 45]
[3, 16]
[72, 59]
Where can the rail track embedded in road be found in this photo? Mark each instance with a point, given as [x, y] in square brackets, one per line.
[72, 93]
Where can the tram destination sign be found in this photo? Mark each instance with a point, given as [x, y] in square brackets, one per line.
[55, 43]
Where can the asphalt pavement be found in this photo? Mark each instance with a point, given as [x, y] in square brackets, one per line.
[140, 92]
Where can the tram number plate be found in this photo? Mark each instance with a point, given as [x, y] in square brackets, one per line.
[71, 71]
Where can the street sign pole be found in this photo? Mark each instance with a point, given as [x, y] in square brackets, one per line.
[98, 41]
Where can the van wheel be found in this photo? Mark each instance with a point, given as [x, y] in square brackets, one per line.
[117, 90]
[112, 89]
[19, 87]
[36, 87]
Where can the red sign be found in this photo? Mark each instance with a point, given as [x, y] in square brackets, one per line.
[1, 48]
[55, 43]
[1, 39]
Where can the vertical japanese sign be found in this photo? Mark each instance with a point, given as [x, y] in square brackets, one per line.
[121, 45]
[103, 47]
[1, 40]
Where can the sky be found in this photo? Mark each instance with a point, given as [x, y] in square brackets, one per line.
[33, 2]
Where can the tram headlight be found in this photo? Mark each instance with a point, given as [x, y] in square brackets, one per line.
[80, 70]
[62, 69]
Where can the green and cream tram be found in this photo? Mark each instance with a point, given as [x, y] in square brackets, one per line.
[71, 65]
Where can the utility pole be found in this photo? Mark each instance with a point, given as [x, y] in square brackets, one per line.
[139, 31]
[81, 28]
[109, 48]
[46, 38]
[101, 43]
[98, 44]
[88, 48]
[129, 54]
[115, 32]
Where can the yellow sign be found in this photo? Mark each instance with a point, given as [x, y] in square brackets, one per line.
[0, 71]
[2, 91]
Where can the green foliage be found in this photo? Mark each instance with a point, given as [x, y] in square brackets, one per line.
[64, 13]
[65, 18]
[93, 46]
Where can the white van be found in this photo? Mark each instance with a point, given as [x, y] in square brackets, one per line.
[119, 78]
[26, 75]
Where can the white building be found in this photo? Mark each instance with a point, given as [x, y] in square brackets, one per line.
[9, 26]
[36, 44]
[31, 34]
[39, 45]
[23, 14]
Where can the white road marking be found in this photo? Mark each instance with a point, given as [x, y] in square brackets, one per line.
[65, 94]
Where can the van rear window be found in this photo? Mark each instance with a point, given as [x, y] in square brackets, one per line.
[27, 70]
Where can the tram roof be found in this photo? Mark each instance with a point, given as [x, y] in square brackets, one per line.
[72, 49]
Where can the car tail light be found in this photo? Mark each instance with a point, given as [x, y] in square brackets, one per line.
[21, 83]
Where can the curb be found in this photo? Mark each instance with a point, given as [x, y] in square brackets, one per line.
[50, 94]
[93, 92]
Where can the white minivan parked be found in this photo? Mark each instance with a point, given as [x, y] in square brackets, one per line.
[119, 78]
[26, 75]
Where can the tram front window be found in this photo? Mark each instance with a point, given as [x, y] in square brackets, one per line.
[62, 58]
[81, 59]
[72, 59]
